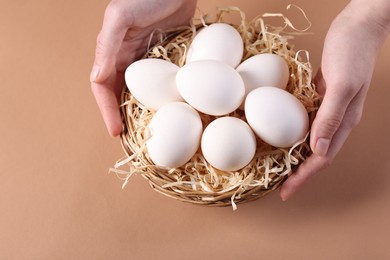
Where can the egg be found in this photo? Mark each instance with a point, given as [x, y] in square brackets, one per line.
[176, 130]
[212, 87]
[265, 69]
[228, 144]
[276, 116]
[153, 82]
[218, 41]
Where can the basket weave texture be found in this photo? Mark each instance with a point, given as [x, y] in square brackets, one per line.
[197, 181]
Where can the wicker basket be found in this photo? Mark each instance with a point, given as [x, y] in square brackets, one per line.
[198, 182]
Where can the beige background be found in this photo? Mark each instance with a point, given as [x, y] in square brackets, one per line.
[58, 201]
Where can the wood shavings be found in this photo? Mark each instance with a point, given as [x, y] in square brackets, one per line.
[197, 181]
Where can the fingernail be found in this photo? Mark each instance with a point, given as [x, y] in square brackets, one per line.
[94, 73]
[322, 147]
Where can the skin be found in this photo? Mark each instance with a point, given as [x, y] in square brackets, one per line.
[351, 47]
[123, 39]
[360, 26]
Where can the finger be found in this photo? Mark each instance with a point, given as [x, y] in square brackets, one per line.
[330, 115]
[107, 101]
[103, 75]
[108, 44]
[314, 164]
[306, 170]
[320, 83]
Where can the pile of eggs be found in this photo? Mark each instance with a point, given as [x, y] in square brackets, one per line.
[215, 82]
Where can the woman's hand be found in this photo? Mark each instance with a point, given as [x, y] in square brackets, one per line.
[350, 51]
[123, 39]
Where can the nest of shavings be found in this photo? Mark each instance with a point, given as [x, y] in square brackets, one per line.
[197, 181]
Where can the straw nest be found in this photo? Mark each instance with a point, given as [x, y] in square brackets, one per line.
[197, 181]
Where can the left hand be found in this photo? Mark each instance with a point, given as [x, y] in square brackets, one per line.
[123, 39]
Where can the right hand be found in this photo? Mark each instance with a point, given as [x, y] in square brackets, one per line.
[123, 39]
[349, 56]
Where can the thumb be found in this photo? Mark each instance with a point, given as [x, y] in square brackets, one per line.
[108, 44]
[103, 76]
[330, 114]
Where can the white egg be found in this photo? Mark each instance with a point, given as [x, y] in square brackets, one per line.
[276, 116]
[264, 70]
[176, 130]
[228, 144]
[212, 87]
[218, 41]
[153, 82]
